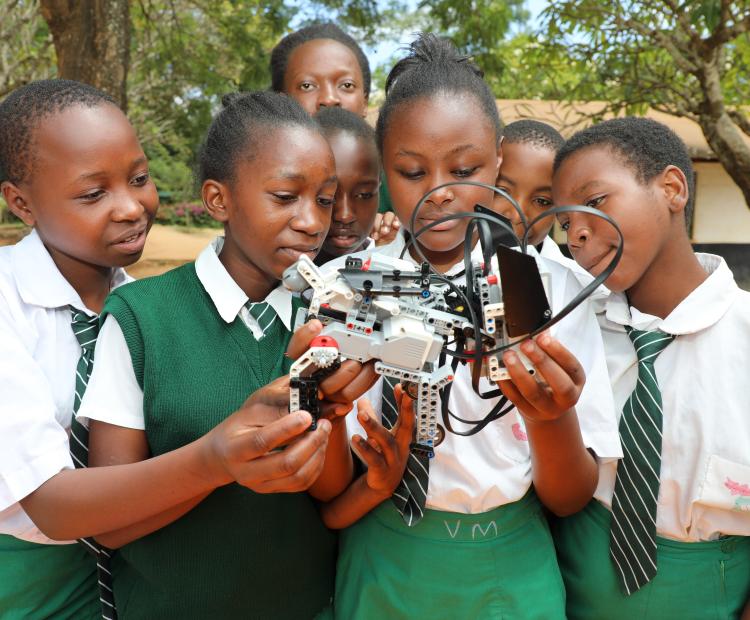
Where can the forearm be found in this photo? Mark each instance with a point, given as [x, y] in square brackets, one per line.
[89, 502]
[565, 474]
[351, 505]
[121, 537]
[338, 469]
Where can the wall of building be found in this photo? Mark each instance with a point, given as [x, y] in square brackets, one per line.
[721, 215]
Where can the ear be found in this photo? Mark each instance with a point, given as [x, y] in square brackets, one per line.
[17, 202]
[675, 187]
[215, 198]
[499, 156]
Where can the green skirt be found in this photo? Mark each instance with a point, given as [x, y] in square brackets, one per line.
[498, 564]
[46, 581]
[701, 580]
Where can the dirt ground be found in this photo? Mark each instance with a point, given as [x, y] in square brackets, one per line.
[166, 247]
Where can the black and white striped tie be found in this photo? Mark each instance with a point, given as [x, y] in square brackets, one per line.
[263, 313]
[410, 495]
[632, 544]
[86, 330]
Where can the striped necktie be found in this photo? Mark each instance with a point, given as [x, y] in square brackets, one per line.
[86, 330]
[263, 313]
[410, 495]
[632, 543]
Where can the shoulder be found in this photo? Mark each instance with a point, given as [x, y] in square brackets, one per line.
[156, 287]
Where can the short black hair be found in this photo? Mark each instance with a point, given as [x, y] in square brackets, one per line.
[243, 122]
[283, 50]
[23, 110]
[335, 120]
[434, 65]
[535, 133]
[645, 145]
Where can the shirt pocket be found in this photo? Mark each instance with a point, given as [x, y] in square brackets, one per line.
[510, 437]
[726, 485]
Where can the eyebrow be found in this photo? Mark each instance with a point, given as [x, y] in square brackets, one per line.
[457, 149]
[93, 175]
[587, 187]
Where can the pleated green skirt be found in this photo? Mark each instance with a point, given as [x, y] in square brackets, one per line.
[694, 581]
[46, 581]
[498, 564]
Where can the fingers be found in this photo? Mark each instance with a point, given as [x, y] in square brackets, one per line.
[375, 233]
[404, 431]
[378, 437]
[256, 442]
[369, 455]
[301, 339]
[349, 382]
[564, 358]
[293, 469]
[275, 394]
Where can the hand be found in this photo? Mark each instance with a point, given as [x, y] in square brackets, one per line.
[339, 390]
[385, 228]
[555, 388]
[385, 452]
[243, 448]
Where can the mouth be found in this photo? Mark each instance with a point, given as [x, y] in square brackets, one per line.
[133, 241]
[343, 239]
[599, 263]
[294, 252]
[445, 226]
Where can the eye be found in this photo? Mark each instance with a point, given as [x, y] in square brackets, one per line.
[326, 202]
[365, 195]
[564, 223]
[348, 85]
[545, 203]
[141, 179]
[92, 196]
[595, 202]
[285, 198]
[306, 86]
[462, 173]
[412, 175]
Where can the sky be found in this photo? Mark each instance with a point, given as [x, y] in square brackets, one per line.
[385, 50]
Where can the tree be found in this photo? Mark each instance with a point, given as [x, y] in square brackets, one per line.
[689, 58]
[25, 45]
[92, 42]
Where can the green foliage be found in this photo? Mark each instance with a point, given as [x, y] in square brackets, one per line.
[191, 214]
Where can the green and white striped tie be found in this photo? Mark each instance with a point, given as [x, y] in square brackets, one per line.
[86, 330]
[632, 544]
[263, 313]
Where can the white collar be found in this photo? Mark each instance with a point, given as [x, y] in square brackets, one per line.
[39, 281]
[227, 296]
[701, 309]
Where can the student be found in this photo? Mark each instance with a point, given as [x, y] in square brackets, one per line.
[476, 544]
[667, 534]
[179, 352]
[322, 67]
[72, 169]
[529, 149]
[352, 141]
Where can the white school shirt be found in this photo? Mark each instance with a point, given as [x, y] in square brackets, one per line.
[475, 474]
[113, 394]
[702, 374]
[38, 358]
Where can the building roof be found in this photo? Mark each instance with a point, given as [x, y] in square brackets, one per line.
[568, 118]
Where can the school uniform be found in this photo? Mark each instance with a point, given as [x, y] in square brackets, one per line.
[39, 352]
[176, 355]
[482, 548]
[703, 503]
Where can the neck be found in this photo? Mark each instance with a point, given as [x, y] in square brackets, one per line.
[91, 282]
[672, 276]
[255, 283]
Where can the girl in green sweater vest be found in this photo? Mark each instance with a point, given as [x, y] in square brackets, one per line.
[180, 352]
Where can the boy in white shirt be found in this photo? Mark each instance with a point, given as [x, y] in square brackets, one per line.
[667, 533]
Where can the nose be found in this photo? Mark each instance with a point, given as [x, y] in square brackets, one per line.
[127, 208]
[311, 220]
[442, 196]
[342, 211]
[579, 231]
[329, 96]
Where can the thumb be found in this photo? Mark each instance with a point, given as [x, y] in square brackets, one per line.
[301, 339]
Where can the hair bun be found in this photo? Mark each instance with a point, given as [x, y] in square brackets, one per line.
[429, 48]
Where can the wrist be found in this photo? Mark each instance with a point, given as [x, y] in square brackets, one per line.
[548, 420]
[210, 465]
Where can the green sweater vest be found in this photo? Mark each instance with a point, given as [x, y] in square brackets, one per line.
[237, 554]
